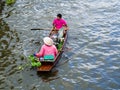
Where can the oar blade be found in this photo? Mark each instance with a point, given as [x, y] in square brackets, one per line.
[40, 29]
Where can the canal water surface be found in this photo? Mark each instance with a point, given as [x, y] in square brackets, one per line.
[92, 61]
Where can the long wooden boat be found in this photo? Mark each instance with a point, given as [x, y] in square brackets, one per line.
[48, 66]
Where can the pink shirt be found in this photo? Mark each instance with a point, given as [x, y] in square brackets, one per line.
[47, 50]
[58, 23]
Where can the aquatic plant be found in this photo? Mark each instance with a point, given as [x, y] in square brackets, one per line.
[34, 61]
[10, 2]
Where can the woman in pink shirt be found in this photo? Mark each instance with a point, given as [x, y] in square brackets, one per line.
[47, 49]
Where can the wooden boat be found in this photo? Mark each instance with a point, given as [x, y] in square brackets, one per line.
[48, 66]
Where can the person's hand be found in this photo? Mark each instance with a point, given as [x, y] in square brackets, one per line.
[65, 30]
[52, 29]
[34, 54]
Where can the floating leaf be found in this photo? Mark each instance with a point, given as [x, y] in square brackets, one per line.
[20, 68]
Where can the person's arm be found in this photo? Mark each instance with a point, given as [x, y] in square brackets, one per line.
[65, 26]
[41, 52]
[65, 29]
[53, 28]
[56, 51]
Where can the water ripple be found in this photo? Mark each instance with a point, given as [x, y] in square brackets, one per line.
[93, 36]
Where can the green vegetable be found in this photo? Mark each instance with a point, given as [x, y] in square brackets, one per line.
[38, 64]
[60, 46]
[32, 58]
[33, 64]
[34, 61]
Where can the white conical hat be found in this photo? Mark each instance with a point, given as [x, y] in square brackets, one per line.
[48, 41]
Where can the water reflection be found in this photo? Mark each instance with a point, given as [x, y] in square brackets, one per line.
[8, 40]
[8, 59]
[8, 37]
[2, 4]
[48, 76]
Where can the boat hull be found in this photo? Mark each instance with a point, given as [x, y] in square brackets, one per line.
[48, 66]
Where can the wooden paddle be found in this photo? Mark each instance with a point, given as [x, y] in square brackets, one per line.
[40, 29]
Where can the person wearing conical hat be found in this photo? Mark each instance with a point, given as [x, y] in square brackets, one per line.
[47, 49]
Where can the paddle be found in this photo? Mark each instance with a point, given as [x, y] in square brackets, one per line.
[40, 29]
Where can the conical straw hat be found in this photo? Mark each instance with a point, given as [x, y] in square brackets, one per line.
[48, 41]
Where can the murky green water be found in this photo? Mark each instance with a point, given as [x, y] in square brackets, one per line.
[94, 37]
